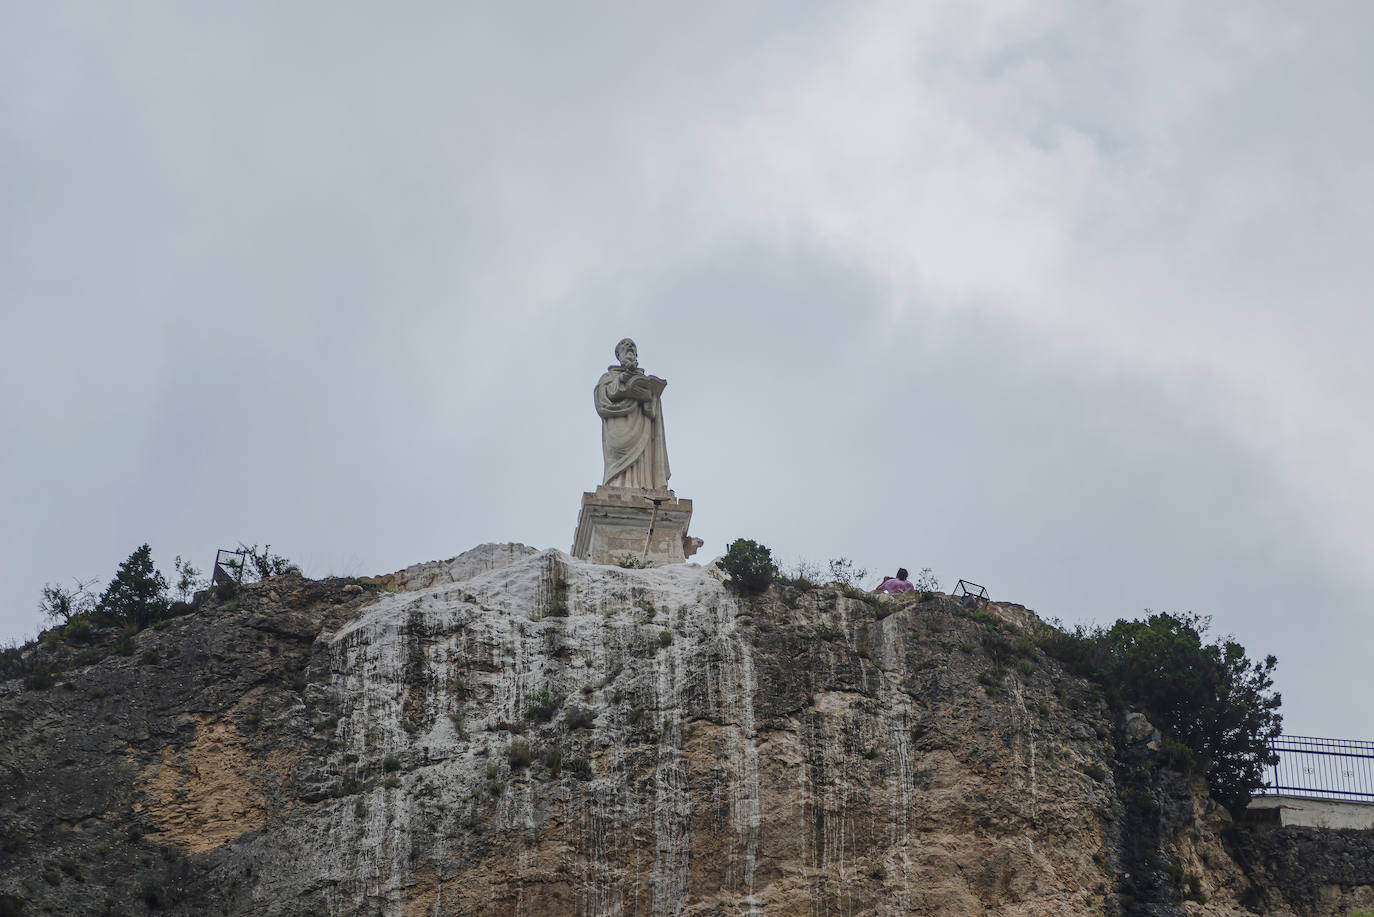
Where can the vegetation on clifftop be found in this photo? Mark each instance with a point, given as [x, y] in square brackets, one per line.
[1210, 697]
[1215, 706]
[749, 565]
[137, 597]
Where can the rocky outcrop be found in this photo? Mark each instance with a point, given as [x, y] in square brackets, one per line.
[519, 732]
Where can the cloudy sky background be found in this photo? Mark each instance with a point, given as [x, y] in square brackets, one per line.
[1065, 298]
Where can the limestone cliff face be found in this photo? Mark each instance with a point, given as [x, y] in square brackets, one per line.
[518, 732]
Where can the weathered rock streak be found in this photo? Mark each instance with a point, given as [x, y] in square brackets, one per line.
[519, 732]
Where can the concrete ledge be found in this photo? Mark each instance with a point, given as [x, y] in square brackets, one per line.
[1311, 812]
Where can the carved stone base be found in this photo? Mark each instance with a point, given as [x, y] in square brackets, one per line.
[617, 521]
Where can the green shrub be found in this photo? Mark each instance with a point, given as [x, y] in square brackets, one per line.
[12, 663]
[189, 580]
[151, 890]
[41, 677]
[665, 637]
[540, 706]
[1179, 757]
[553, 760]
[78, 629]
[749, 565]
[262, 564]
[579, 768]
[391, 764]
[926, 583]
[804, 576]
[558, 597]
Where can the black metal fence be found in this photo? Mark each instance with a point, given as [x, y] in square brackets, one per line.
[965, 589]
[1324, 768]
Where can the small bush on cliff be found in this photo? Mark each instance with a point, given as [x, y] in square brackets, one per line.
[41, 676]
[749, 565]
[844, 573]
[262, 564]
[61, 605]
[927, 582]
[518, 755]
[78, 629]
[540, 706]
[189, 581]
[1209, 696]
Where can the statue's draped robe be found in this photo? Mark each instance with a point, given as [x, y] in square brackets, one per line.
[632, 441]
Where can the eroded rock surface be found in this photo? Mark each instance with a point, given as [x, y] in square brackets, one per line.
[519, 732]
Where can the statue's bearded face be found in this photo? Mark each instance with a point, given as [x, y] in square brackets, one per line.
[627, 353]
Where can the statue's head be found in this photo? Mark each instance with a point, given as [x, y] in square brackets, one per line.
[627, 353]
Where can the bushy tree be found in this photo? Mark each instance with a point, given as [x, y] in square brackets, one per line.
[137, 595]
[750, 566]
[1210, 696]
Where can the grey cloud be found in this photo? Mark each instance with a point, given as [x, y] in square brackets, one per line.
[1063, 298]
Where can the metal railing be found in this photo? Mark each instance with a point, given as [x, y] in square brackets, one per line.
[966, 589]
[1324, 768]
[229, 565]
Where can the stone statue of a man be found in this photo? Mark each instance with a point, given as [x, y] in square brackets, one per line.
[632, 423]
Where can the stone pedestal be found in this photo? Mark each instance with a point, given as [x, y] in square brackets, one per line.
[648, 525]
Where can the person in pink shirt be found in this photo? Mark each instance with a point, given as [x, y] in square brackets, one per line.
[894, 584]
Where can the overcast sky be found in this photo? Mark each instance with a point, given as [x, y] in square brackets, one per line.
[1068, 299]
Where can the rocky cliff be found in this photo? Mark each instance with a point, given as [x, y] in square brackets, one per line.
[519, 732]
